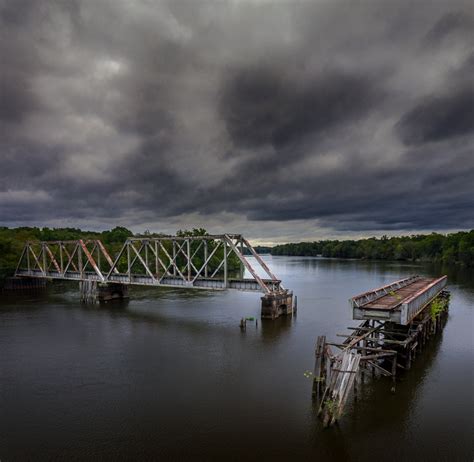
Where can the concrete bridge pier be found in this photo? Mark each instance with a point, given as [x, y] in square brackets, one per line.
[277, 304]
[109, 291]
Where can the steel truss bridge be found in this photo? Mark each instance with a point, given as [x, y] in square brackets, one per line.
[198, 262]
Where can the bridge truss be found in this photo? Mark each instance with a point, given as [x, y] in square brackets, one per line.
[200, 262]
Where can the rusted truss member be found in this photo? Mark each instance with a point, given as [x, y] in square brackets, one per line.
[380, 348]
[199, 262]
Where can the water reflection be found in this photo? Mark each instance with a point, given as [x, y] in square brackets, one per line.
[272, 331]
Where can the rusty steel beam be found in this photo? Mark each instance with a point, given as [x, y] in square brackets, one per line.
[90, 259]
[105, 254]
[53, 260]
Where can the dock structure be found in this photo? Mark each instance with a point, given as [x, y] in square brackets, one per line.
[192, 262]
[398, 321]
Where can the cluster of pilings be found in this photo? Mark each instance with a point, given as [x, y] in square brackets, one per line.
[243, 323]
[376, 348]
[93, 292]
[88, 291]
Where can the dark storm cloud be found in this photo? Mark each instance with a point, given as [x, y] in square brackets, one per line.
[271, 106]
[439, 117]
[17, 98]
[143, 113]
[370, 197]
[143, 108]
[453, 23]
[448, 113]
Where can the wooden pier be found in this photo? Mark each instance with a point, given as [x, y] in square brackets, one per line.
[378, 345]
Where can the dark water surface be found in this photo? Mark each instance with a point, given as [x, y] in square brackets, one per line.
[170, 376]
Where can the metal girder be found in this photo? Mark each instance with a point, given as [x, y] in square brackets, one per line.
[176, 261]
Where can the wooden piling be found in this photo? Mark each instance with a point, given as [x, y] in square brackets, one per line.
[88, 291]
[319, 365]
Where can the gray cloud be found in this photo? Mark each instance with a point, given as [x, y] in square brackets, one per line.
[296, 117]
[452, 24]
[264, 106]
[439, 117]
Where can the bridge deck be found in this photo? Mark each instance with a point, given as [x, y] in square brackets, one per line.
[398, 302]
[396, 297]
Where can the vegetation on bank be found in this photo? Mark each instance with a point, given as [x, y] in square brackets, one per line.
[451, 248]
[12, 241]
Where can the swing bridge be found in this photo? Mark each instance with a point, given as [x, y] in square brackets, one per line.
[193, 262]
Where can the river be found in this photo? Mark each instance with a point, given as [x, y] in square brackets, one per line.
[170, 376]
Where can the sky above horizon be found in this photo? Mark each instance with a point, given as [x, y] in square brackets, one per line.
[285, 120]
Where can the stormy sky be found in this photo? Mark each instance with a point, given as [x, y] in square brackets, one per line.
[285, 120]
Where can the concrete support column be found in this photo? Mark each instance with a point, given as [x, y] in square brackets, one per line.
[107, 292]
[277, 304]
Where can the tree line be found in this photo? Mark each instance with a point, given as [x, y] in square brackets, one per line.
[450, 248]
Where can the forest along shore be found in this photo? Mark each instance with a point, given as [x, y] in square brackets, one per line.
[455, 248]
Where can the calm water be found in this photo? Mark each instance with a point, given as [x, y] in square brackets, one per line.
[170, 376]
